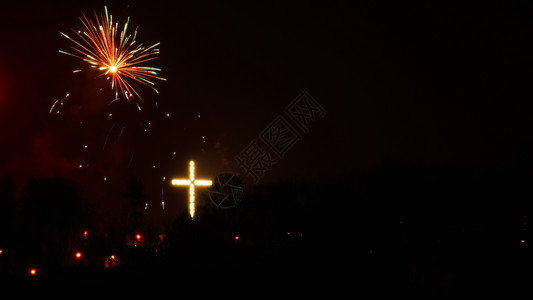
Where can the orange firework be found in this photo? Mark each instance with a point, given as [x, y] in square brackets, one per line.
[114, 53]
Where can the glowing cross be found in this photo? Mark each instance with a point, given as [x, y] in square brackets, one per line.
[191, 182]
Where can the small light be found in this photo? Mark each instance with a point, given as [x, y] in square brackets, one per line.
[112, 257]
[236, 237]
[80, 166]
[78, 255]
[288, 233]
[33, 271]
[523, 241]
[168, 115]
[85, 146]
[138, 236]
[85, 233]
[1, 251]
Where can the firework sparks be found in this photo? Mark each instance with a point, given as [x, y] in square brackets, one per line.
[121, 133]
[60, 103]
[115, 53]
[107, 136]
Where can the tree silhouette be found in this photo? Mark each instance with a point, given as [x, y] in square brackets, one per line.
[7, 215]
[136, 201]
[51, 215]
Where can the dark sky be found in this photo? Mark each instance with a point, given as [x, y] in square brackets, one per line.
[435, 82]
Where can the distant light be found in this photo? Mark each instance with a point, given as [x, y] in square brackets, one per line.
[78, 254]
[33, 271]
[85, 233]
[1, 251]
[80, 166]
[288, 233]
[236, 237]
[112, 256]
[85, 146]
[168, 115]
[138, 236]
[523, 241]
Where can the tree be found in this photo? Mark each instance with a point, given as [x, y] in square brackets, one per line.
[136, 203]
[50, 218]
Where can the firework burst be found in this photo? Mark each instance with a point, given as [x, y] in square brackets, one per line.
[115, 53]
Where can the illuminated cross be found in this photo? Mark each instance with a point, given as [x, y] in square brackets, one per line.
[191, 182]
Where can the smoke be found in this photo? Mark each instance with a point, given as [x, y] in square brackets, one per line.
[222, 151]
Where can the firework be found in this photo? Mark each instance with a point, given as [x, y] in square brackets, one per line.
[56, 102]
[115, 53]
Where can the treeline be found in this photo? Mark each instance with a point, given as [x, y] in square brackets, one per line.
[430, 229]
[44, 225]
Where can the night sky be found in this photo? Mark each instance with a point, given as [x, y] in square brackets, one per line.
[417, 170]
[420, 83]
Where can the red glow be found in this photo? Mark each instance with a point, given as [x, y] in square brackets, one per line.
[33, 271]
[236, 237]
[138, 236]
[78, 254]
[1, 92]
